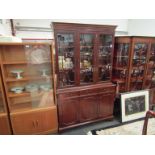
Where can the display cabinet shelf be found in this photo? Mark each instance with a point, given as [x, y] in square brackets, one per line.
[14, 62]
[10, 79]
[120, 68]
[23, 63]
[118, 80]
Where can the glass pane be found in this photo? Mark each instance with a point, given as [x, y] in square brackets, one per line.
[66, 53]
[122, 55]
[140, 53]
[105, 54]
[30, 82]
[150, 83]
[136, 85]
[138, 66]
[86, 58]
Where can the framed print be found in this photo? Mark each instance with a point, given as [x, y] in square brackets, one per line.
[134, 105]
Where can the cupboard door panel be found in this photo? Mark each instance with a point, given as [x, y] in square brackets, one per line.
[4, 125]
[35, 122]
[68, 111]
[106, 105]
[88, 108]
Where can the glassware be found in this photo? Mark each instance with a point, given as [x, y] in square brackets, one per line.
[18, 73]
[32, 88]
[44, 72]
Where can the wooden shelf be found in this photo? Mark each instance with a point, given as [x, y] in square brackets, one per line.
[65, 46]
[89, 46]
[10, 79]
[137, 67]
[22, 62]
[33, 95]
[105, 46]
[11, 95]
[121, 57]
[100, 66]
[120, 68]
[149, 77]
[13, 62]
[118, 80]
[133, 79]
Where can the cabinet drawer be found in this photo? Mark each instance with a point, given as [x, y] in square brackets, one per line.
[36, 122]
[68, 95]
[88, 92]
[107, 90]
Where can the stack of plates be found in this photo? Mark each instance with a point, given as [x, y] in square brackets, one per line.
[17, 90]
[45, 87]
[32, 88]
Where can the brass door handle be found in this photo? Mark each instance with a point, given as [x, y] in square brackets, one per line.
[37, 123]
[33, 124]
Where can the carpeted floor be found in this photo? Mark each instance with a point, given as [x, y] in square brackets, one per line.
[133, 128]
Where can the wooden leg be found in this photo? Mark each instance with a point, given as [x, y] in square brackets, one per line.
[148, 115]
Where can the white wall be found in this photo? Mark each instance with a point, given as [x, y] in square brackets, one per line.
[5, 28]
[141, 27]
[122, 26]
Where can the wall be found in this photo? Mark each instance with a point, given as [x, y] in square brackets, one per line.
[141, 27]
[122, 26]
[5, 28]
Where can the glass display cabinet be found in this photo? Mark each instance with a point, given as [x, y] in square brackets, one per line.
[84, 70]
[28, 79]
[5, 128]
[140, 67]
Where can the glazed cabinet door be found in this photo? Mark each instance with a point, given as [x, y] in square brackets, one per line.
[106, 105]
[121, 65]
[68, 111]
[138, 65]
[66, 59]
[28, 76]
[87, 58]
[88, 108]
[104, 56]
[150, 74]
[5, 128]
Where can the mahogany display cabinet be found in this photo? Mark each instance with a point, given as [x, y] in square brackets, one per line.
[83, 65]
[134, 63]
[27, 73]
[5, 128]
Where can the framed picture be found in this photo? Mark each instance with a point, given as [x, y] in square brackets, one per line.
[134, 105]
